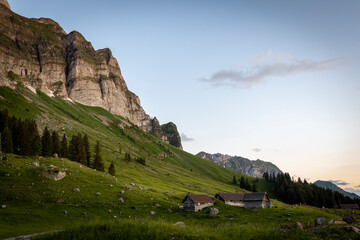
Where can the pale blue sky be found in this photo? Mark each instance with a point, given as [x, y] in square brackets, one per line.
[280, 76]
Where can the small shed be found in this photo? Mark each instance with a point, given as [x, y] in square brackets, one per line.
[196, 202]
[350, 206]
[234, 199]
[257, 199]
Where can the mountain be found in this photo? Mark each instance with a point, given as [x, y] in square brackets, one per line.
[42, 56]
[241, 165]
[332, 186]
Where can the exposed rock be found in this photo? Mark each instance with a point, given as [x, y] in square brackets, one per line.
[254, 210]
[133, 184]
[121, 200]
[109, 211]
[5, 3]
[298, 225]
[65, 212]
[319, 221]
[179, 224]
[349, 218]
[169, 210]
[352, 228]
[54, 174]
[122, 191]
[115, 216]
[76, 190]
[98, 193]
[152, 212]
[214, 211]
[55, 155]
[157, 205]
[40, 54]
[3, 206]
[60, 200]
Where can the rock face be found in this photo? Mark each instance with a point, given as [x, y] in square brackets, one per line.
[40, 54]
[241, 165]
[5, 3]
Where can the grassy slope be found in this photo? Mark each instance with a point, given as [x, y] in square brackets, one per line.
[31, 198]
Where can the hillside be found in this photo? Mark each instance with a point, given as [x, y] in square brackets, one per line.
[332, 186]
[241, 165]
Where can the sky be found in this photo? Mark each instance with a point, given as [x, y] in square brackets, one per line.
[271, 80]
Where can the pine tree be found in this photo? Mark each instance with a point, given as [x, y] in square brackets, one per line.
[64, 151]
[234, 180]
[56, 143]
[242, 182]
[73, 148]
[81, 154]
[6, 141]
[112, 169]
[98, 164]
[36, 145]
[254, 187]
[87, 150]
[46, 143]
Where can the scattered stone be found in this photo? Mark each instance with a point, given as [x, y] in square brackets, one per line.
[140, 188]
[3, 206]
[97, 193]
[76, 190]
[298, 225]
[60, 200]
[151, 199]
[308, 225]
[179, 224]
[231, 219]
[132, 207]
[109, 211]
[54, 174]
[152, 213]
[121, 200]
[65, 212]
[169, 210]
[289, 219]
[111, 185]
[319, 221]
[254, 210]
[122, 192]
[349, 218]
[36, 164]
[115, 216]
[339, 222]
[166, 192]
[55, 155]
[214, 211]
[133, 184]
[157, 205]
[167, 199]
[352, 228]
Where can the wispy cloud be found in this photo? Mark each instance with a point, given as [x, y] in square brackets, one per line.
[353, 190]
[185, 138]
[257, 149]
[339, 182]
[358, 186]
[265, 66]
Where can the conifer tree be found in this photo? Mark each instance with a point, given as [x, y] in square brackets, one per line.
[254, 187]
[87, 150]
[6, 141]
[46, 143]
[234, 180]
[98, 164]
[56, 143]
[81, 155]
[73, 148]
[64, 151]
[36, 145]
[242, 182]
[112, 169]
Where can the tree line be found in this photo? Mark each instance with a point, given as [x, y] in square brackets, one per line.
[246, 184]
[301, 192]
[22, 137]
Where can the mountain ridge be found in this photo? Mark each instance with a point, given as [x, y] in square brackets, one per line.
[334, 187]
[254, 168]
[41, 55]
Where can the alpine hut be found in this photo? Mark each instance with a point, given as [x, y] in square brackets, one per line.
[196, 202]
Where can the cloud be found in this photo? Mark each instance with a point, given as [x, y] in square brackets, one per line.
[267, 65]
[185, 138]
[339, 182]
[257, 149]
[358, 186]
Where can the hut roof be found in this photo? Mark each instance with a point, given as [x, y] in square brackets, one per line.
[349, 206]
[230, 196]
[199, 198]
[256, 196]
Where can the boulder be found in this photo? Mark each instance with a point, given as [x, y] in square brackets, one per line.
[152, 212]
[36, 164]
[60, 200]
[349, 218]
[254, 210]
[122, 192]
[76, 190]
[214, 211]
[157, 205]
[109, 211]
[133, 184]
[121, 200]
[298, 225]
[98, 193]
[169, 210]
[55, 155]
[352, 228]
[54, 174]
[65, 212]
[179, 224]
[3, 206]
[319, 221]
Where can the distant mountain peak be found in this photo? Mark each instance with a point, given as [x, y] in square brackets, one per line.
[334, 187]
[239, 164]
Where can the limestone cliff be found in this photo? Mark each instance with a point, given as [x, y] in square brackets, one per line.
[40, 54]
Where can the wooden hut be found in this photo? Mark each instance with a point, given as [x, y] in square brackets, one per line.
[234, 199]
[247, 200]
[196, 202]
[350, 206]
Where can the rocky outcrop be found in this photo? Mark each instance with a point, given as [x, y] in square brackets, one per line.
[5, 3]
[242, 165]
[40, 54]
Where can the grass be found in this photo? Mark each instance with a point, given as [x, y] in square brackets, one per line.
[168, 175]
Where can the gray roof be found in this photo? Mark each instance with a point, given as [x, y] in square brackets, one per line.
[230, 196]
[257, 196]
[199, 198]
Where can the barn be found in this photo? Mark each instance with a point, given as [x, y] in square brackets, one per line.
[234, 199]
[349, 206]
[247, 200]
[196, 202]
